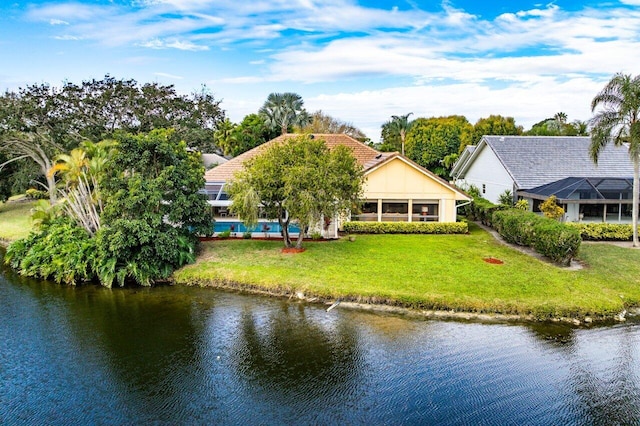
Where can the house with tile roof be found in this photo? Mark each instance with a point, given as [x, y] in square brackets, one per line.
[536, 167]
[396, 189]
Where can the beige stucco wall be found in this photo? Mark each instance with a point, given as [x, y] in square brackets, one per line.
[397, 180]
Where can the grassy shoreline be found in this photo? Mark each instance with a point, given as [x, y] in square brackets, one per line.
[428, 273]
[433, 275]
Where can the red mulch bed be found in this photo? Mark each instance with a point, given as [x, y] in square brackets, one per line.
[306, 240]
[493, 260]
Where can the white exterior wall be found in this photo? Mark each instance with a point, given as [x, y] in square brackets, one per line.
[488, 171]
[573, 213]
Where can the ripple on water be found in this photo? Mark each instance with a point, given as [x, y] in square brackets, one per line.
[197, 356]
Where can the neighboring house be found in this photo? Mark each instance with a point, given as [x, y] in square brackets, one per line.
[536, 167]
[212, 160]
[396, 189]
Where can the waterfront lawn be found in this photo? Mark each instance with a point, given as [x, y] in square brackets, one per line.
[15, 218]
[445, 272]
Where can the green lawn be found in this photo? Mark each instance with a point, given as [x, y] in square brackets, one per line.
[15, 220]
[425, 271]
[429, 271]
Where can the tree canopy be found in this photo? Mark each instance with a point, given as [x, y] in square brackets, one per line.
[40, 121]
[283, 111]
[297, 181]
[558, 126]
[430, 140]
[494, 125]
[234, 139]
[132, 212]
[324, 123]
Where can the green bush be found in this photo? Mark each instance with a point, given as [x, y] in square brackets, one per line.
[604, 231]
[482, 210]
[133, 250]
[60, 251]
[36, 194]
[406, 227]
[225, 234]
[557, 241]
[316, 236]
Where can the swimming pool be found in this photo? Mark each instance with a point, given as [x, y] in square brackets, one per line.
[261, 227]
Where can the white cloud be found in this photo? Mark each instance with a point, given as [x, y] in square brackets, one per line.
[67, 12]
[173, 44]
[369, 109]
[67, 37]
[525, 63]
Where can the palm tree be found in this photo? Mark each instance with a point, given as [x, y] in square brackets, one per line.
[224, 136]
[282, 110]
[400, 125]
[71, 166]
[560, 117]
[619, 122]
[81, 171]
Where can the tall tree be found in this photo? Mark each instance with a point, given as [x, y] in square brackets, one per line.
[324, 123]
[36, 146]
[390, 139]
[81, 171]
[234, 139]
[284, 110]
[494, 125]
[558, 126]
[398, 127]
[431, 140]
[618, 122]
[298, 180]
[153, 209]
[55, 120]
[224, 137]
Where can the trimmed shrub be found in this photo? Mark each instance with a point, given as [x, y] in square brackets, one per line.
[604, 231]
[36, 194]
[482, 210]
[406, 227]
[557, 241]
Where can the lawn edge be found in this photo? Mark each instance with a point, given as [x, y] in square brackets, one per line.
[385, 305]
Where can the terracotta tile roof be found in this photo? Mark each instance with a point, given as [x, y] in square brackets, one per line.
[365, 155]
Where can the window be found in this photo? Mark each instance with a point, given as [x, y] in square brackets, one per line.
[425, 212]
[370, 207]
[396, 208]
[395, 211]
[368, 212]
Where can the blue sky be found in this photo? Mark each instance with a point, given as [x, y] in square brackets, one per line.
[359, 61]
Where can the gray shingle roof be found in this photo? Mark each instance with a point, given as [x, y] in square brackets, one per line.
[533, 161]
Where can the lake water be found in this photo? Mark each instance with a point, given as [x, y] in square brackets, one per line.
[175, 355]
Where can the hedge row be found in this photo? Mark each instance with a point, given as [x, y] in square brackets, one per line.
[482, 210]
[406, 227]
[553, 239]
[604, 231]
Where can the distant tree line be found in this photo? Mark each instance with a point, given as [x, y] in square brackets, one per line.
[435, 143]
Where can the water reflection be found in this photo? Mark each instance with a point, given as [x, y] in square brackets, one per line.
[605, 376]
[291, 357]
[175, 355]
